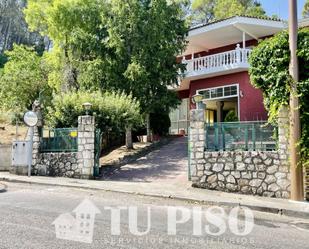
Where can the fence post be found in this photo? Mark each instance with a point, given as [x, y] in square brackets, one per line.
[197, 144]
[283, 133]
[86, 140]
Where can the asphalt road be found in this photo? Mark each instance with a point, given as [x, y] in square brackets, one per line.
[27, 213]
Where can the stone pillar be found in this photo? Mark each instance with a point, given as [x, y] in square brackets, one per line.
[283, 175]
[86, 140]
[283, 133]
[35, 150]
[197, 144]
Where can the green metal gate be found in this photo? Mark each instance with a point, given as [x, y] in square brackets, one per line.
[97, 152]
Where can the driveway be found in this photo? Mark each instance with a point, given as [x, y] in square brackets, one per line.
[168, 163]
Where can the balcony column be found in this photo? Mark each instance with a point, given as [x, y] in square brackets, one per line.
[243, 40]
[238, 53]
[220, 105]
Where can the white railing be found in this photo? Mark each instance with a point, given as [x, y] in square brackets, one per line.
[217, 62]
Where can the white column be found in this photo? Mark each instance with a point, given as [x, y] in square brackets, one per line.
[243, 40]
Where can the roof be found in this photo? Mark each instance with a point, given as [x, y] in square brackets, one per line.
[221, 20]
[87, 207]
[229, 31]
[65, 219]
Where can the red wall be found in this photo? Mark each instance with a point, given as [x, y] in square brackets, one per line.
[251, 104]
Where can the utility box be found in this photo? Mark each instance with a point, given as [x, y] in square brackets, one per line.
[21, 157]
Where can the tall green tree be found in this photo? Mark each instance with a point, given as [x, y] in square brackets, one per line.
[210, 10]
[306, 10]
[14, 29]
[23, 77]
[203, 11]
[78, 35]
[146, 37]
[115, 45]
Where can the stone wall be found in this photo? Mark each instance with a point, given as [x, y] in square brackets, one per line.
[77, 164]
[56, 164]
[261, 173]
[257, 173]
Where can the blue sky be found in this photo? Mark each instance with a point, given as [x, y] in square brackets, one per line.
[280, 7]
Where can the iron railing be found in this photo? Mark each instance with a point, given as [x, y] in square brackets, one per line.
[244, 136]
[59, 140]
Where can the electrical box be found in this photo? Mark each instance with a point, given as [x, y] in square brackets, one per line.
[21, 153]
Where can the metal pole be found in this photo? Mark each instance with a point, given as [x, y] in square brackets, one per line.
[297, 191]
[30, 150]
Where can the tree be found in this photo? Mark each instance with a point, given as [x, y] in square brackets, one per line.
[22, 79]
[115, 45]
[210, 10]
[306, 10]
[269, 71]
[203, 11]
[146, 37]
[13, 28]
[78, 34]
[224, 8]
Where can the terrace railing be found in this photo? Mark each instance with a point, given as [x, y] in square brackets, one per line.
[59, 140]
[219, 62]
[244, 136]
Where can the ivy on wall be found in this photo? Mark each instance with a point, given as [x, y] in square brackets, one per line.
[269, 71]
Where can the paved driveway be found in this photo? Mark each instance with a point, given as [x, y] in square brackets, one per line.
[169, 163]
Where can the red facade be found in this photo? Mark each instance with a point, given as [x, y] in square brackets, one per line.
[250, 102]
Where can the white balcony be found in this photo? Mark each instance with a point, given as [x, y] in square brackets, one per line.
[218, 64]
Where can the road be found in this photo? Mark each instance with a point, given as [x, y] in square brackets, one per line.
[28, 211]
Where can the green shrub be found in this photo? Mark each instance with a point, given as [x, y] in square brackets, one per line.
[113, 110]
[231, 117]
[269, 71]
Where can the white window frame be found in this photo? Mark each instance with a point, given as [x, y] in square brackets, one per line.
[224, 97]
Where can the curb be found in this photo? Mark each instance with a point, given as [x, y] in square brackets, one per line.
[272, 210]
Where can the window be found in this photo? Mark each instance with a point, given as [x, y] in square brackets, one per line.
[220, 92]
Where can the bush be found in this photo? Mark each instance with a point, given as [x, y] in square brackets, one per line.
[231, 117]
[113, 110]
[269, 71]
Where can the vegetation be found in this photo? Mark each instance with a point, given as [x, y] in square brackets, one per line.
[209, 10]
[269, 71]
[306, 10]
[14, 29]
[113, 111]
[231, 117]
[114, 46]
[22, 78]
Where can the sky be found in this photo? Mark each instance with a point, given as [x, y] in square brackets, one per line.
[280, 7]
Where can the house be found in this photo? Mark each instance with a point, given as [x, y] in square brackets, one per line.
[217, 66]
[81, 227]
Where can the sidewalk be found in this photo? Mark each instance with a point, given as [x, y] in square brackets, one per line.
[179, 192]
